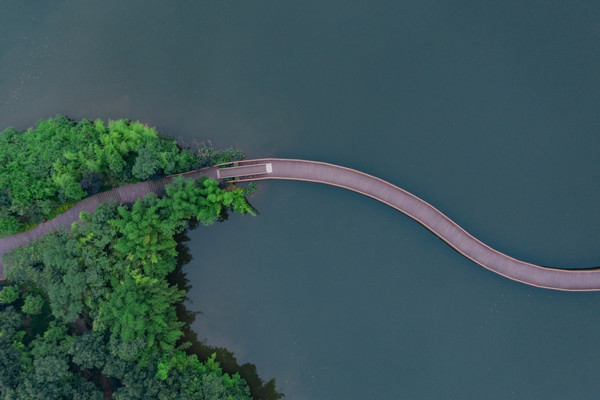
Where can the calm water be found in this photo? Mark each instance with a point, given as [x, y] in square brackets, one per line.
[488, 111]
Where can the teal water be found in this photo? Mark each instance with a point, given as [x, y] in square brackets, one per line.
[489, 111]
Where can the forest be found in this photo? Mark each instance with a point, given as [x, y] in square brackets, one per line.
[46, 169]
[92, 312]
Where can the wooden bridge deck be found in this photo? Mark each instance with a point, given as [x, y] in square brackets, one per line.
[244, 171]
[432, 219]
[385, 192]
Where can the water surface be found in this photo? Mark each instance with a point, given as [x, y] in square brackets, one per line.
[487, 111]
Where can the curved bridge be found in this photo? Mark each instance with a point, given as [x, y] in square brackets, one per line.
[385, 192]
[422, 212]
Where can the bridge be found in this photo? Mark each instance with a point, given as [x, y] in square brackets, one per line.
[360, 182]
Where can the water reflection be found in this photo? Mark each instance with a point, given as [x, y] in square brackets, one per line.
[258, 388]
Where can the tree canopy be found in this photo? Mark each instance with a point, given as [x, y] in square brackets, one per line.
[60, 161]
[90, 312]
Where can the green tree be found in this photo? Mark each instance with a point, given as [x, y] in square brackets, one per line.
[10, 225]
[49, 376]
[147, 163]
[61, 161]
[147, 235]
[89, 350]
[142, 307]
[9, 294]
[203, 199]
[64, 277]
[13, 355]
[188, 380]
[109, 270]
[33, 304]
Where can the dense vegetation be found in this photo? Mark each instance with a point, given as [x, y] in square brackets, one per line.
[96, 311]
[46, 169]
[89, 313]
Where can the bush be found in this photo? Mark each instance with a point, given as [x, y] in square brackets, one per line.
[209, 156]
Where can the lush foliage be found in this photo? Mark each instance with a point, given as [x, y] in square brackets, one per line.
[61, 161]
[90, 313]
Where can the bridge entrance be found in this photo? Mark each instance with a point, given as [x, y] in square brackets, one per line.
[244, 171]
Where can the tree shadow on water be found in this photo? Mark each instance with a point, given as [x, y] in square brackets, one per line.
[259, 389]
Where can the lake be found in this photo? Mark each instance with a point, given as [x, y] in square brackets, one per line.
[488, 111]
